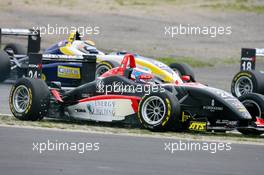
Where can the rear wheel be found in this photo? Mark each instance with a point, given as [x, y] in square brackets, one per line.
[159, 111]
[5, 66]
[105, 66]
[183, 69]
[15, 48]
[246, 82]
[29, 99]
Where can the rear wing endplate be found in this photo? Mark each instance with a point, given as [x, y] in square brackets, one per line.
[37, 60]
[34, 39]
[248, 58]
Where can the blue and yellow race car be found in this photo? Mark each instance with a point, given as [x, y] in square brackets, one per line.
[75, 46]
[14, 60]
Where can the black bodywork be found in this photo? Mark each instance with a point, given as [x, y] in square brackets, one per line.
[216, 107]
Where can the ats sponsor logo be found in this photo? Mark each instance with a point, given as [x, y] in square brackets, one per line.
[197, 126]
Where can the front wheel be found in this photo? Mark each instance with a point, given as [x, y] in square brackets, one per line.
[254, 103]
[159, 111]
[29, 99]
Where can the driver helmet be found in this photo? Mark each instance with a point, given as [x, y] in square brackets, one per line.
[88, 47]
[141, 75]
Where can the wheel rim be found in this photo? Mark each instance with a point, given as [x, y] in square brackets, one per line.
[153, 110]
[243, 86]
[252, 107]
[101, 70]
[21, 99]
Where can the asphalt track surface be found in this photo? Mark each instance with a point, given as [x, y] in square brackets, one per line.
[118, 155]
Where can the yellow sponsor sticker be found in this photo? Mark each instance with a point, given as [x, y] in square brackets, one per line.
[197, 126]
[69, 72]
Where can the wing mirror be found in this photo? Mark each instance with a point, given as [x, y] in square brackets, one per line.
[186, 78]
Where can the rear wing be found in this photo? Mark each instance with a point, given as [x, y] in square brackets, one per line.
[34, 39]
[37, 60]
[248, 58]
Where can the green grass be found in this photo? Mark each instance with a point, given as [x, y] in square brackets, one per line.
[228, 61]
[124, 129]
[135, 2]
[152, 2]
[238, 5]
[188, 60]
[231, 5]
[195, 62]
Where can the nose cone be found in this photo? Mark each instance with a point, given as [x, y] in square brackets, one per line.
[245, 114]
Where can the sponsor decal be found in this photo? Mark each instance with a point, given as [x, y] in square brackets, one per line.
[69, 72]
[101, 108]
[66, 57]
[80, 110]
[197, 126]
[237, 104]
[247, 59]
[213, 108]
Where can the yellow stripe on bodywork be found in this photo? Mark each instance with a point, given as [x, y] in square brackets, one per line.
[164, 75]
[65, 50]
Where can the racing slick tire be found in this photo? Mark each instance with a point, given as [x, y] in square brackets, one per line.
[254, 103]
[17, 49]
[183, 69]
[246, 82]
[29, 99]
[105, 66]
[159, 112]
[5, 66]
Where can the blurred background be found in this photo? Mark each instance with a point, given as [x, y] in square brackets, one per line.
[139, 26]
